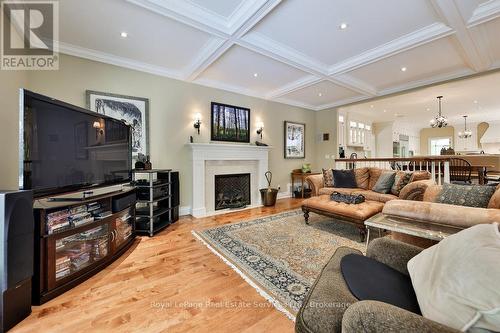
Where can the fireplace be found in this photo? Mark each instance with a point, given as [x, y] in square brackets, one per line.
[232, 191]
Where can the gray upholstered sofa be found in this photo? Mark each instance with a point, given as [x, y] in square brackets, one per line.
[330, 306]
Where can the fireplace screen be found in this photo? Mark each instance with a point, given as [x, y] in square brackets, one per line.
[232, 191]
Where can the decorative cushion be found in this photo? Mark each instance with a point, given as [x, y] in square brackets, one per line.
[402, 179]
[466, 195]
[420, 175]
[385, 182]
[362, 177]
[369, 279]
[495, 199]
[374, 174]
[327, 178]
[344, 179]
[456, 280]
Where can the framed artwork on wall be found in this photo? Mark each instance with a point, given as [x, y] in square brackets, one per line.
[133, 110]
[295, 146]
[229, 123]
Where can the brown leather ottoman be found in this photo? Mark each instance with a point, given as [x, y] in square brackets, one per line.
[349, 213]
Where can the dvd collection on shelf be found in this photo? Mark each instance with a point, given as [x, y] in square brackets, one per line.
[74, 217]
[80, 250]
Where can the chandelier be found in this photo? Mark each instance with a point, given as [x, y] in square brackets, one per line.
[440, 120]
[466, 133]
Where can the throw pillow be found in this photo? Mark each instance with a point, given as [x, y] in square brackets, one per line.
[362, 177]
[344, 179]
[402, 179]
[385, 182]
[456, 280]
[327, 178]
[466, 195]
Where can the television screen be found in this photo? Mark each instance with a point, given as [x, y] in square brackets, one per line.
[64, 147]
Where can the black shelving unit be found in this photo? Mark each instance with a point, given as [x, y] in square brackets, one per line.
[154, 209]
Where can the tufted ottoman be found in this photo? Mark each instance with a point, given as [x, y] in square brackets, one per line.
[342, 212]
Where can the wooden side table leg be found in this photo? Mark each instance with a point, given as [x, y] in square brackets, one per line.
[293, 186]
[306, 215]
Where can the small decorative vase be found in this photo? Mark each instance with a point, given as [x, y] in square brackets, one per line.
[147, 164]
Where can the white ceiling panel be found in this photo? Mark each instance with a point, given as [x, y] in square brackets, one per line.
[312, 27]
[238, 66]
[223, 8]
[490, 31]
[467, 7]
[437, 58]
[321, 93]
[152, 39]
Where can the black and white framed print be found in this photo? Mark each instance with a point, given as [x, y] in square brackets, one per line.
[295, 146]
[132, 110]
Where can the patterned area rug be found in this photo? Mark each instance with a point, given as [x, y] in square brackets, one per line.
[280, 255]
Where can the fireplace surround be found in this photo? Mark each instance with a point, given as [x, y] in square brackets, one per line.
[210, 159]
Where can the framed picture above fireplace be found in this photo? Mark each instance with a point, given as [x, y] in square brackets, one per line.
[230, 123]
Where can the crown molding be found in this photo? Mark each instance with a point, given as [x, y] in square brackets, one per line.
[450, 13]
[111, 59]
[422, 36]
[485, 12]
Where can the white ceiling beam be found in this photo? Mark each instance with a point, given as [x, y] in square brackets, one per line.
[401, 44]
[294, 86]
[175, 13]
[213, 51]
[485, 12]
[450, 13]
[217, 48]
[352, 83]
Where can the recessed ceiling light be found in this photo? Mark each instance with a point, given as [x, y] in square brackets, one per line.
[371, 106]
[320, 94]
[475, 102]
[428, 109]
[385, 110]
[124, 34]
[255, 74]
[343, 26]
[403, 69]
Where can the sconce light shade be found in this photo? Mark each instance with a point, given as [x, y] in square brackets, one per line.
[197, 122]
[96, 124]
[260, 129]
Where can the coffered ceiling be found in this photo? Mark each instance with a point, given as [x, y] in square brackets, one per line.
[315, 54]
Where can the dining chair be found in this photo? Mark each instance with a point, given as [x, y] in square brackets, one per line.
[460, 171]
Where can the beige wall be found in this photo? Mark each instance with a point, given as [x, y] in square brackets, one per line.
[427, 133]
[173, 105]
[326, 122]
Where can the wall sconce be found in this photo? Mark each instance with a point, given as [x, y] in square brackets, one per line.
[260, 129]
[98, 129]
[197, 122]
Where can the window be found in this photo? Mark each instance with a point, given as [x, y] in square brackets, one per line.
[436, 144]
[368, 128]
[353, 124]
[341, 119]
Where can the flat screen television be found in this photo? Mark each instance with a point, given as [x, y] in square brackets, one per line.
[65, 148]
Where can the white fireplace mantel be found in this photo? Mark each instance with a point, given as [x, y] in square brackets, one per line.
[202, 152]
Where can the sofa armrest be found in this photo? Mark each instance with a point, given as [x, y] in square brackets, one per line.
[393, 253]
[430, 212]
[415, 190]
[315, 183]
[373, 316]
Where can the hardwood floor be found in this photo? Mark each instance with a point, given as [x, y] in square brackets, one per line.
[169, 283]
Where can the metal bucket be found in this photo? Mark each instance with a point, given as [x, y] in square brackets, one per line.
[268, 196]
